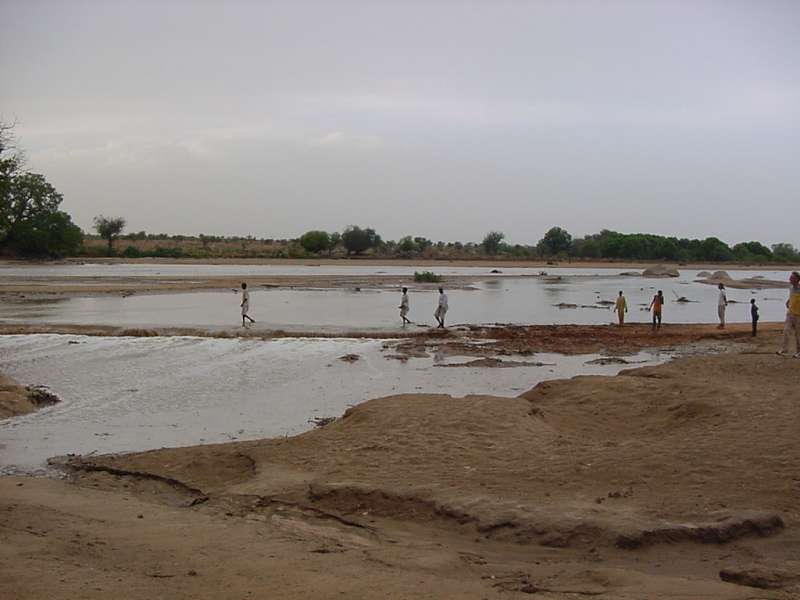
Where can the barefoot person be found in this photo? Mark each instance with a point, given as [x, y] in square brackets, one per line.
[621, 307]
[404, 306]
[792, 325]
[722, 304]
[754, 315]
[441, 310]
[655, 305]
[246, 305]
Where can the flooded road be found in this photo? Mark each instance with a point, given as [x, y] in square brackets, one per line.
[124, 394]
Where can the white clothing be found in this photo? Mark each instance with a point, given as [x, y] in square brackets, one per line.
[404, 305]
[443, 301]
[723, 299]
[245, 302]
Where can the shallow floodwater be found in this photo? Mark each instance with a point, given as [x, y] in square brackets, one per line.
[125, 394]
[230, 270]
[499, 300]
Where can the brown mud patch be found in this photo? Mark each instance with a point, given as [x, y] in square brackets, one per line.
[18, 399]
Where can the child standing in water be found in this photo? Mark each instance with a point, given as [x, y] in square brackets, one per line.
[655, 306]
[754, 315]
[245, 305]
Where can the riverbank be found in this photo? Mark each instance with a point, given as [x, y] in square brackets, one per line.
[468, 340]
[16, 400]
[661, 482]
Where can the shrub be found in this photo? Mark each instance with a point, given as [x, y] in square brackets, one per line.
[427, 277]
[161, 252]
[131, 252]
[315, 241]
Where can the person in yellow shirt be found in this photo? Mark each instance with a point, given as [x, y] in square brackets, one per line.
[621, 307]
[792, 317]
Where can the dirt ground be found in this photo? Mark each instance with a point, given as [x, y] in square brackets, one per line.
[676, 481]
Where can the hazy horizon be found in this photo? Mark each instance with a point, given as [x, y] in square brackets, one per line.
[439, 119]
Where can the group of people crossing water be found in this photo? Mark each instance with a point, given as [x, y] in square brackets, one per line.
[439, 313]
[656, 307]
[656, 304]
[791, 326]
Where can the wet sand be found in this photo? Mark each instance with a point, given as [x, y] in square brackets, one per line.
[16, 400]
[469, 340]
[662, 482]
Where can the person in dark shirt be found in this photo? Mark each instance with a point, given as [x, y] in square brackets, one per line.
[754, 315]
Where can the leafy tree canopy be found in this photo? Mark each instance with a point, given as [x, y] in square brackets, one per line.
[315, 241]
[492, 242]
[357, 240]
[30, 220]
[109, 228]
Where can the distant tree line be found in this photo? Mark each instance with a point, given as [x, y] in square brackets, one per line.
[32, 224]
[556, 243]
[358, 241]
[644, 246]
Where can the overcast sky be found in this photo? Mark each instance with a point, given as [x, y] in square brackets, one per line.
[441, 119]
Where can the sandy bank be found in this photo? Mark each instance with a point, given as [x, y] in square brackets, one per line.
[748, 283]
[18, 400]
[466, 340]
[648, 484]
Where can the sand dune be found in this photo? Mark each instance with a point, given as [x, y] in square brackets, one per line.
[658, 483]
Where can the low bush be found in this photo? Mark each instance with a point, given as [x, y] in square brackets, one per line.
[426, 277]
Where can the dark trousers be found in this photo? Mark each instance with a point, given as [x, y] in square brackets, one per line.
[656, 318]
[755, 327]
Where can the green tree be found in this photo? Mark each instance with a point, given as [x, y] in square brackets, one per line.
[335, 240]
[406, 246]
[422, 243]
[109, 229]
[11, 162]
[752, 251]
[315, 241]
[357, 240]
[30, 219]
[786, 253]
[714, 249]
[556, 240]
[492, 241]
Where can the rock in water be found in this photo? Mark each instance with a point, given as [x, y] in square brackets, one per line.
[660, 271]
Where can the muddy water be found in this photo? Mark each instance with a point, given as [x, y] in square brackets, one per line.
[123, 394]
[503, 300]
[225, 270]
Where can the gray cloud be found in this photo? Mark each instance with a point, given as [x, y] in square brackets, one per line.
[443, 119]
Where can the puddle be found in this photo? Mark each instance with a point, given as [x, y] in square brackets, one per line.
[127, 394]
